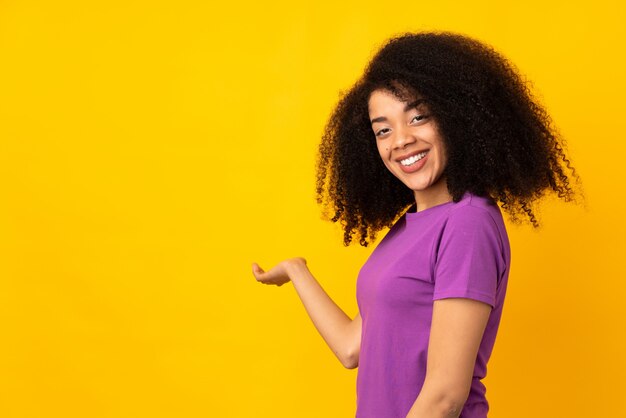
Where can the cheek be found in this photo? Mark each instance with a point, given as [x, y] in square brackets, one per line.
[382, 152]
[441, 153]
[444, 157]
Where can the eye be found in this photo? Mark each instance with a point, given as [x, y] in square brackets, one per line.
[419, 118]
[381, 132]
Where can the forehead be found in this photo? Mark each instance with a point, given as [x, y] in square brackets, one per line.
[382, 100]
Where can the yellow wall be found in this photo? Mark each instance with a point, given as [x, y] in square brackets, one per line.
[151, 151]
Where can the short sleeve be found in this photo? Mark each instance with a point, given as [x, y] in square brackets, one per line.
[469, 258]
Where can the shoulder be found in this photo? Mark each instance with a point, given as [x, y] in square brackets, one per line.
[473, 212]
[475, 226]
[475, 222]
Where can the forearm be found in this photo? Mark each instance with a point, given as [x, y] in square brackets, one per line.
[330, 321]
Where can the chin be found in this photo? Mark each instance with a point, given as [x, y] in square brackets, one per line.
[418, 187]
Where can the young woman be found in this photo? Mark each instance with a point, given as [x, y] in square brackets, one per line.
[438, 132]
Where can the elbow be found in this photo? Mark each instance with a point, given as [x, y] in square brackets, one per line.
[451, 404]
[351, 364]
[447, 400]
[350, 360]
[452, 407]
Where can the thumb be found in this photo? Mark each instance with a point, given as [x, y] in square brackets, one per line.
[257, 269]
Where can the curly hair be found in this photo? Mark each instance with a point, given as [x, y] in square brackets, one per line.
[500, 142]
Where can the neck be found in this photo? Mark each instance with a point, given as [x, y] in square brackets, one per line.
[432, 196]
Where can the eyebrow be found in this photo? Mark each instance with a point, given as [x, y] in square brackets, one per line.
[408, 107]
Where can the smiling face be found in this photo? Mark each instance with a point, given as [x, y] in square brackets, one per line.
[410, 145]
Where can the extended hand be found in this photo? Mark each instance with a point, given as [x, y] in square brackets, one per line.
[277, 275]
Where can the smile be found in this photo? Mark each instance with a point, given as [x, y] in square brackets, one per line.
[412, 160]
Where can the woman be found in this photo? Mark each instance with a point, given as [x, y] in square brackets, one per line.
[438, 130]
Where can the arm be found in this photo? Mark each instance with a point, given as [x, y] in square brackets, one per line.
[456, 331]
[342, 334]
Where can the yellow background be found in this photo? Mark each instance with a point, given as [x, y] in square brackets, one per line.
[151, 151]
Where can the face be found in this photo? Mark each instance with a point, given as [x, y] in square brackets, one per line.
[408, 142]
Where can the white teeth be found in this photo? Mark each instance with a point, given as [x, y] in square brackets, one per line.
[412, 160]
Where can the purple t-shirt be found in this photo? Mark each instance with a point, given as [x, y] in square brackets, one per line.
[449, 250]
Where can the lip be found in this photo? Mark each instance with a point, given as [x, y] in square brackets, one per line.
[416, 166]
[405, 156]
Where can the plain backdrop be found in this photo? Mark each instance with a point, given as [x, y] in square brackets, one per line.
[150, 151]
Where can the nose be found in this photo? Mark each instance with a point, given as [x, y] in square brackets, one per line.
[404, 137]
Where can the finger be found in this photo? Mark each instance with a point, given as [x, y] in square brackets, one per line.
[256, 268]
[259, 274]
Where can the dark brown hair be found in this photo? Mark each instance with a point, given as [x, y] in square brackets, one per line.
[499, 140]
